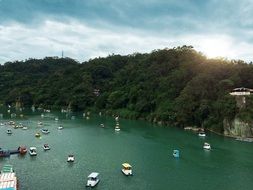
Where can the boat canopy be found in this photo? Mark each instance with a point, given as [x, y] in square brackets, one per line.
[93, 175]
[126, 165]
[32, 148]
[7, 169]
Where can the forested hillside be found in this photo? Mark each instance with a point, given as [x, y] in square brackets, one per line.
[174, 86]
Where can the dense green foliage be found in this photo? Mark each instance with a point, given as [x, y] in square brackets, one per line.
[175, 86]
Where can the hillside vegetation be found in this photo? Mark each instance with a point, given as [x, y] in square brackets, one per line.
[174, 86]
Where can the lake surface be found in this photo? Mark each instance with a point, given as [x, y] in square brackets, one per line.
[148, 148]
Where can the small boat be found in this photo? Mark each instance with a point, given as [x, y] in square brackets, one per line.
[71, 158]
[176, 153]
[9, 131]
[92, 179]
[60, 127]
[127, 169]
[202, 134]
[37, 135]
[8, 179]
[117, 127]
[102, 125]
[207, 146]
[33, 151]
[11, 123]
[24, 128]
[22, 150]
[56, 119]
[46, 147]
[45, 131]
[40, 123]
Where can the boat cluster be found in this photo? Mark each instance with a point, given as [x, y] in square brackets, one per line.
[93, 177]
[206, 145]
[33, 150]
[12, 124]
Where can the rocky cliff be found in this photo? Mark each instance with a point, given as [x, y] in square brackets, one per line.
[242, 124]
[238, 128]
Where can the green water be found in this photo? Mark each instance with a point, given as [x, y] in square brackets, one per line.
[148, 148]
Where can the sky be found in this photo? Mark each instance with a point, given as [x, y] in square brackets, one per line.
[85, 29]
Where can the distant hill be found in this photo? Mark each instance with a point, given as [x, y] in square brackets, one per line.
[176, 86]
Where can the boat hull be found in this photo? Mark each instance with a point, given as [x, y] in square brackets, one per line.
[92, 183]
[127, 172]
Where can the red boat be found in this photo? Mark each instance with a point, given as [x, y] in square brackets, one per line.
[22, 149]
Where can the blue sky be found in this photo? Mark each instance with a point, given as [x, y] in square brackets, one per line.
[85, 29]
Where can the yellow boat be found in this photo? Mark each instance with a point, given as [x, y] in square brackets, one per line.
[127, 169]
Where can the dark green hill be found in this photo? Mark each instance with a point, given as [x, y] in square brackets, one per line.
[174, 86]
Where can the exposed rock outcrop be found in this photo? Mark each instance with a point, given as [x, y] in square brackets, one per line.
[238, 128]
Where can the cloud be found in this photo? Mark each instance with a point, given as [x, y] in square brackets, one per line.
[87, 29]
[82, 42]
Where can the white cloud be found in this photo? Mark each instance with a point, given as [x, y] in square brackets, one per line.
[82, 42]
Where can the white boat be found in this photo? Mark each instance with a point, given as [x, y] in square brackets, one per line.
[60, 127]
[8, 179]
[71, 158]
[176, 153]
[207, 146]
[33, 151]
[56, 119]
[117, 127]
[102, 125]
[24, 128]
[202, 134]
[46, 147]
[45, 131]
[127, 169]
[9, 131]
[92, 179]
[40, 123]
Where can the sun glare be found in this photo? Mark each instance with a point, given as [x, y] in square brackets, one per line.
[213, 48]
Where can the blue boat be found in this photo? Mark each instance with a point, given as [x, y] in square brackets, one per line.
[176, 153]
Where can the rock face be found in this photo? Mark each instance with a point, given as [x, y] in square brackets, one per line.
[238, 128]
